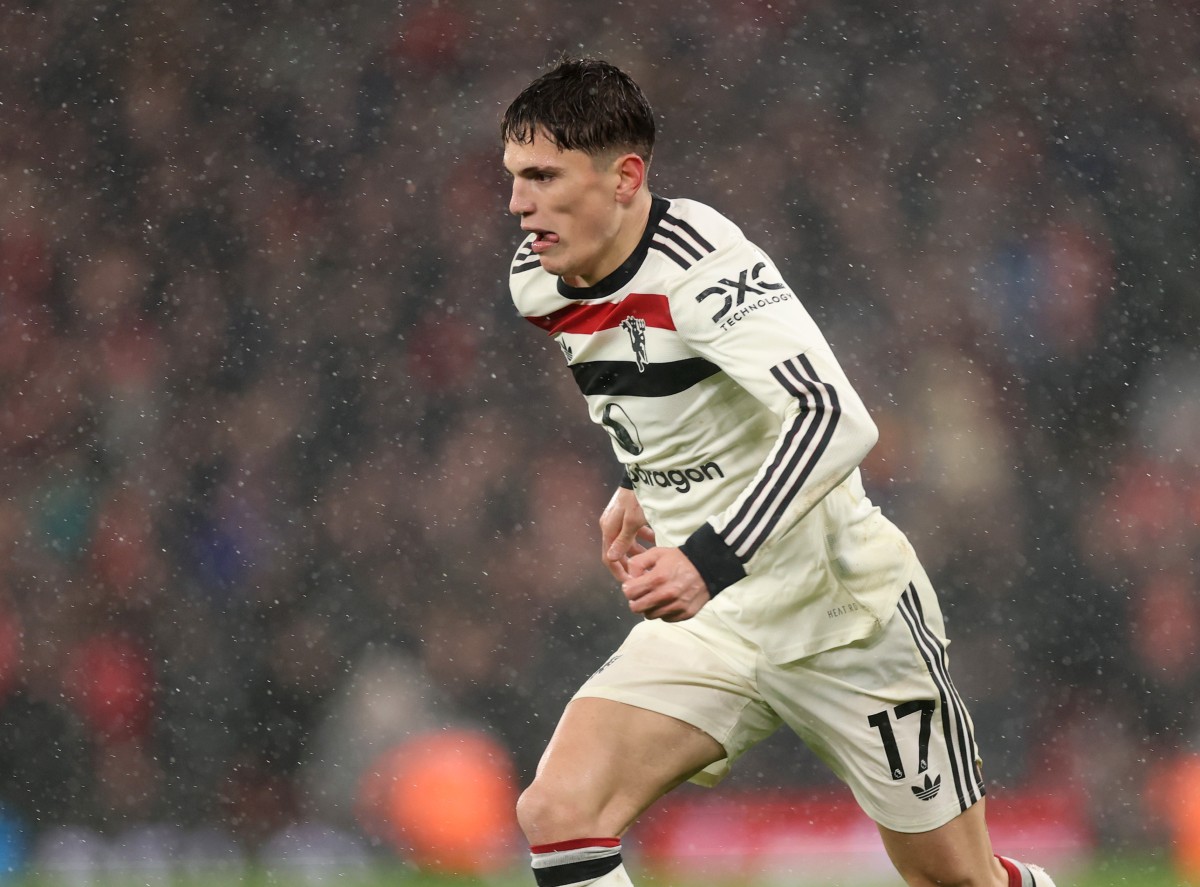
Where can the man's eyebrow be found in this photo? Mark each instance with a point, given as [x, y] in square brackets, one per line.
[533, 168]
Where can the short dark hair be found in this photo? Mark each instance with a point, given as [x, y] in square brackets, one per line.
[584, 104]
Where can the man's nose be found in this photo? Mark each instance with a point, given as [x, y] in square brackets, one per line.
[520, 204]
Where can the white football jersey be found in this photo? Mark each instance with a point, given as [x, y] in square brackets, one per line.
[737, 428]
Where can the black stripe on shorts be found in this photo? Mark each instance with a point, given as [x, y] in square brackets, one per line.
[960, 742]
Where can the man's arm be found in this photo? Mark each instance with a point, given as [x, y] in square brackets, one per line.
[824, 433]
[737, 312]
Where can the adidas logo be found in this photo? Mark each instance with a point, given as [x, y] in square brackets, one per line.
[929, 792]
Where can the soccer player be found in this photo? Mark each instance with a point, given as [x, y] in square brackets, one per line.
[772, 590]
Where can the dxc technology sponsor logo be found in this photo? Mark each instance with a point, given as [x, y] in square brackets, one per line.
[745, 295]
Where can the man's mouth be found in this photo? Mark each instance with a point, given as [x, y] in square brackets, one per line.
[543, 240]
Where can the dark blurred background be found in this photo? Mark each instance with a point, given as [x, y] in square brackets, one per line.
[285, 479]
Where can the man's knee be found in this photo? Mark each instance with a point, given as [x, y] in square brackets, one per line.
[529, 812]
[547, 814]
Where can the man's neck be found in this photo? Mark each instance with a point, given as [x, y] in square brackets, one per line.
[633, 225]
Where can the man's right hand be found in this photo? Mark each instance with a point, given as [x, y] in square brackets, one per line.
[624, 532]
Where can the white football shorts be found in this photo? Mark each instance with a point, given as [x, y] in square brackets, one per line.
[882, 712]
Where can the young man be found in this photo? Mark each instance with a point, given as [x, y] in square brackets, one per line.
[773, 592]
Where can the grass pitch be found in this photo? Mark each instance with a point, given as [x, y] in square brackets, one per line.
[1111, 871]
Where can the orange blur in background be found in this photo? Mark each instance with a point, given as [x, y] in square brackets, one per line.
[444, 801]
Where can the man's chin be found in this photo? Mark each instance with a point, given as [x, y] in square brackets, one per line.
[558, 269]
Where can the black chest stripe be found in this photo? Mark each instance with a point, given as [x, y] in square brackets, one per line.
[620, 377]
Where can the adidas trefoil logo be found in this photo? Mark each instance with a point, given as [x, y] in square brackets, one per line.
[929, 792]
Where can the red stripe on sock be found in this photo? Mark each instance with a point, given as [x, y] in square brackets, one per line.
[579, 843]
[1014, 873]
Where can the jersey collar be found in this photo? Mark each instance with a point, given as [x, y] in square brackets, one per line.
[627, 269]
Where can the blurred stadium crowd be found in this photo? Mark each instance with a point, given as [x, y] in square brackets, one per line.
[266, 414]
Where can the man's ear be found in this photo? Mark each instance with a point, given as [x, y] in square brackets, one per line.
[631, 172]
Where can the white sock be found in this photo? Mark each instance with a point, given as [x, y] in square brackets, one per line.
[586, 862]
[1024, 875]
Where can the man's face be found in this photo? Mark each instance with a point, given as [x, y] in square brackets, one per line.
[568, 200]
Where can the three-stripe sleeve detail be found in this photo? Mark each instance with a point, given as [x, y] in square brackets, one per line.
[679, 241]
[956, 726]
[797, 456]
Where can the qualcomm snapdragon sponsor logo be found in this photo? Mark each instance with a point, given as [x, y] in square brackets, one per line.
[742, 297]
[681, 479]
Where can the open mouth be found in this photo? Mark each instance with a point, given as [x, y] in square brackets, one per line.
[543, 240]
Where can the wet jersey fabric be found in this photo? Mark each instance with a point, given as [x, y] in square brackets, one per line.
[737, 428]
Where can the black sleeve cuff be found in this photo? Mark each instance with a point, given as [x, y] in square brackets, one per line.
[625, 481]
[718, 566]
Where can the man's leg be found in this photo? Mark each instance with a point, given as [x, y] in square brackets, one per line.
[957, 855]
[884, 713]
[606, 763]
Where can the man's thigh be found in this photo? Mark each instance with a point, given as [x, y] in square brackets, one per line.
[605, 764]
[694, 672]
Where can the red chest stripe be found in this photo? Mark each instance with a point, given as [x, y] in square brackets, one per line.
[588, 318]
